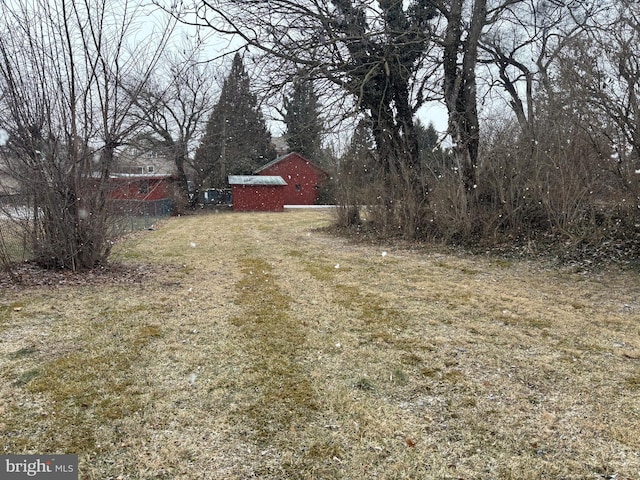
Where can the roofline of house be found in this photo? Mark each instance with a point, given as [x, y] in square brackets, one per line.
[282, 157]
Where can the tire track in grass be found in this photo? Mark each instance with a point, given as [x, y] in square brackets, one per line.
[83, 389]
[284, 398]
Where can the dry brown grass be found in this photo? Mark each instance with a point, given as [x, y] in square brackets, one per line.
[259, 347]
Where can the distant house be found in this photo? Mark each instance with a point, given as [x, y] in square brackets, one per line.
[280, 145]
[138, 162]
[303, 178]
[257, 193]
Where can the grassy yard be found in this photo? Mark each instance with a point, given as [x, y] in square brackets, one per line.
[258, 347]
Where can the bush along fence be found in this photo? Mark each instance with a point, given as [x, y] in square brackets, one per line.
[17, 223]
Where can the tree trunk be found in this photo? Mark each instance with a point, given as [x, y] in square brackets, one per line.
[460, 92]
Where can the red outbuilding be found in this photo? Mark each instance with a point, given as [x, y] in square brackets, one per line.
[303, 178]
[142, 187]
[257, 193]
[142, 194]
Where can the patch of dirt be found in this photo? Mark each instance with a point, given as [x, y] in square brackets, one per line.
[29, 274]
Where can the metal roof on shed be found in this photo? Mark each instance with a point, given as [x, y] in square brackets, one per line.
[256, 180]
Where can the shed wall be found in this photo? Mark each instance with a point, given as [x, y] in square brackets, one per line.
[301, 176]
[269, 198]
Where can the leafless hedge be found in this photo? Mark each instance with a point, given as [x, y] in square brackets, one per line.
[566, 188]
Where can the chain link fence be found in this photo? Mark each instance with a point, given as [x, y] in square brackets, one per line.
[14, 218]
[135, 215]
[17, 214]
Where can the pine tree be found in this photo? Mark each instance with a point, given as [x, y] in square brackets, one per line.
[359, 162]
[303, 121]
[434, 159]
[427, 136]
[237, 140]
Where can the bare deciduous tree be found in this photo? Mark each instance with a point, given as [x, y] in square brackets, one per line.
[64, 67]
[600, 74]
[522, 49]
[376, 52]
[174, 107]
[466, 23]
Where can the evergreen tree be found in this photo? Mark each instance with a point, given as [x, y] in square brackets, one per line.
[358, 165]
[237, 140]
[303, 121]
[427, 137]
[434, 159]
[357, 174]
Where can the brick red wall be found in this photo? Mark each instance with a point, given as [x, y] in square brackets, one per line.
[302, 179]
[140, 188]
[269, 198]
